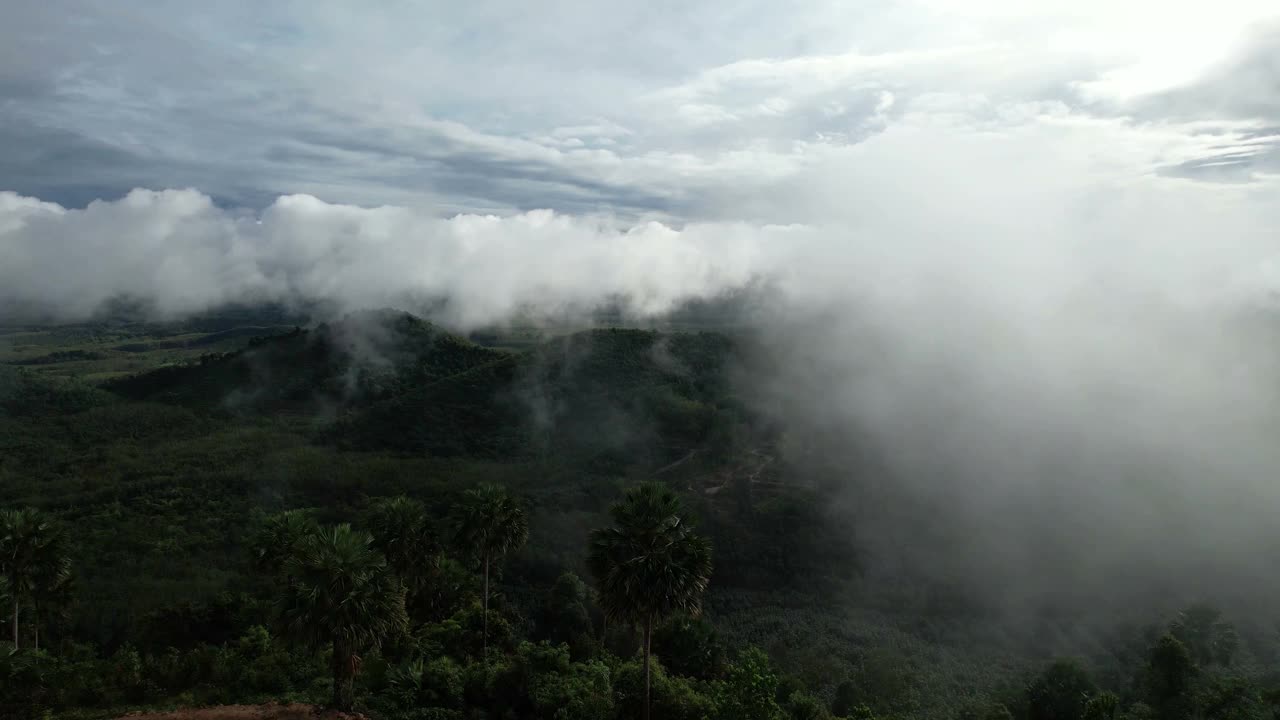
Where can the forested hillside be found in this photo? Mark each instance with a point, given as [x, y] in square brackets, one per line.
[195, 487]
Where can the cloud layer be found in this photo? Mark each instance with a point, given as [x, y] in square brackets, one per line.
[177, 249]
[1021, 205]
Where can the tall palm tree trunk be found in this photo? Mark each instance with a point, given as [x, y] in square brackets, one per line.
[15, 621]
[343, 677]
[648, 633]
[485, 633]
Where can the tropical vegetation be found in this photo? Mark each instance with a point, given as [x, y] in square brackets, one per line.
[377, 514]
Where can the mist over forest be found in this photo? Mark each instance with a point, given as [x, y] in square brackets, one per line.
[730, 362]
[1025, 422]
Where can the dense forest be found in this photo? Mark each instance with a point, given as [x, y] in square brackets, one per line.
[376, 514]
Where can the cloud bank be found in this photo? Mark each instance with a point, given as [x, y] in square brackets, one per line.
[179, 251]
[1020, 208]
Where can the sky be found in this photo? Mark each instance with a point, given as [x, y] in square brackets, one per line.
[667, 110]
[507, 154]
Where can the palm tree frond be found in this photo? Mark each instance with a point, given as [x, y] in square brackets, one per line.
[650, 564]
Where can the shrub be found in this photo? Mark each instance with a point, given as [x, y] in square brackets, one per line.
[749, 690]
[673, 698]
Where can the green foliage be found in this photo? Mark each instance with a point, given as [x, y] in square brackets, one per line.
[402, 531]
[25, 394]
[33, 560]
[987, 709]
[1102, 706]
[35, 682]
[749, 691]
[178, 483]
[861, 712]
[806, 706]
[791, 534]
[489, 523]
[461, 635]
[128, 674]
[534, 681]
[281, 538]
[847, 698]
[650, 564]
[585, 693]
[690, 646]
[1169, 677]
[1060, 692]
[26, 690]
[1229, 697]
[565, 618]
[1207, 637]
[438, 683]
[186, 624]
[449, 587]
[881, 681]
[672, 697]
[607, 398]
[338, 589]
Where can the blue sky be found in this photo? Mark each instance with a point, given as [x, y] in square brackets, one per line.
[665, 109]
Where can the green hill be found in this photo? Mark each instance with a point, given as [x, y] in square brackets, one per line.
[608, 399]
[164, 474]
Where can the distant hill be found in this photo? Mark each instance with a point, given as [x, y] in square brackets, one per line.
[28, 394]
[342, 364]
[390, 380]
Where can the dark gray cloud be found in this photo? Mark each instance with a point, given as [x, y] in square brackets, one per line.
[495, 106]
[112, 98]
[1234, 165]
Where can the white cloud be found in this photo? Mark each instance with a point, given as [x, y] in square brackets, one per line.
[177, 248]
[1016, 204]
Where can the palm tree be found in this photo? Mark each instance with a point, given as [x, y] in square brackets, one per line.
[280, 537]
[53, 593]
[489, 523]
[340, 591]
[650, 564]
[403, 532]
[33, 558]
[6, 597]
